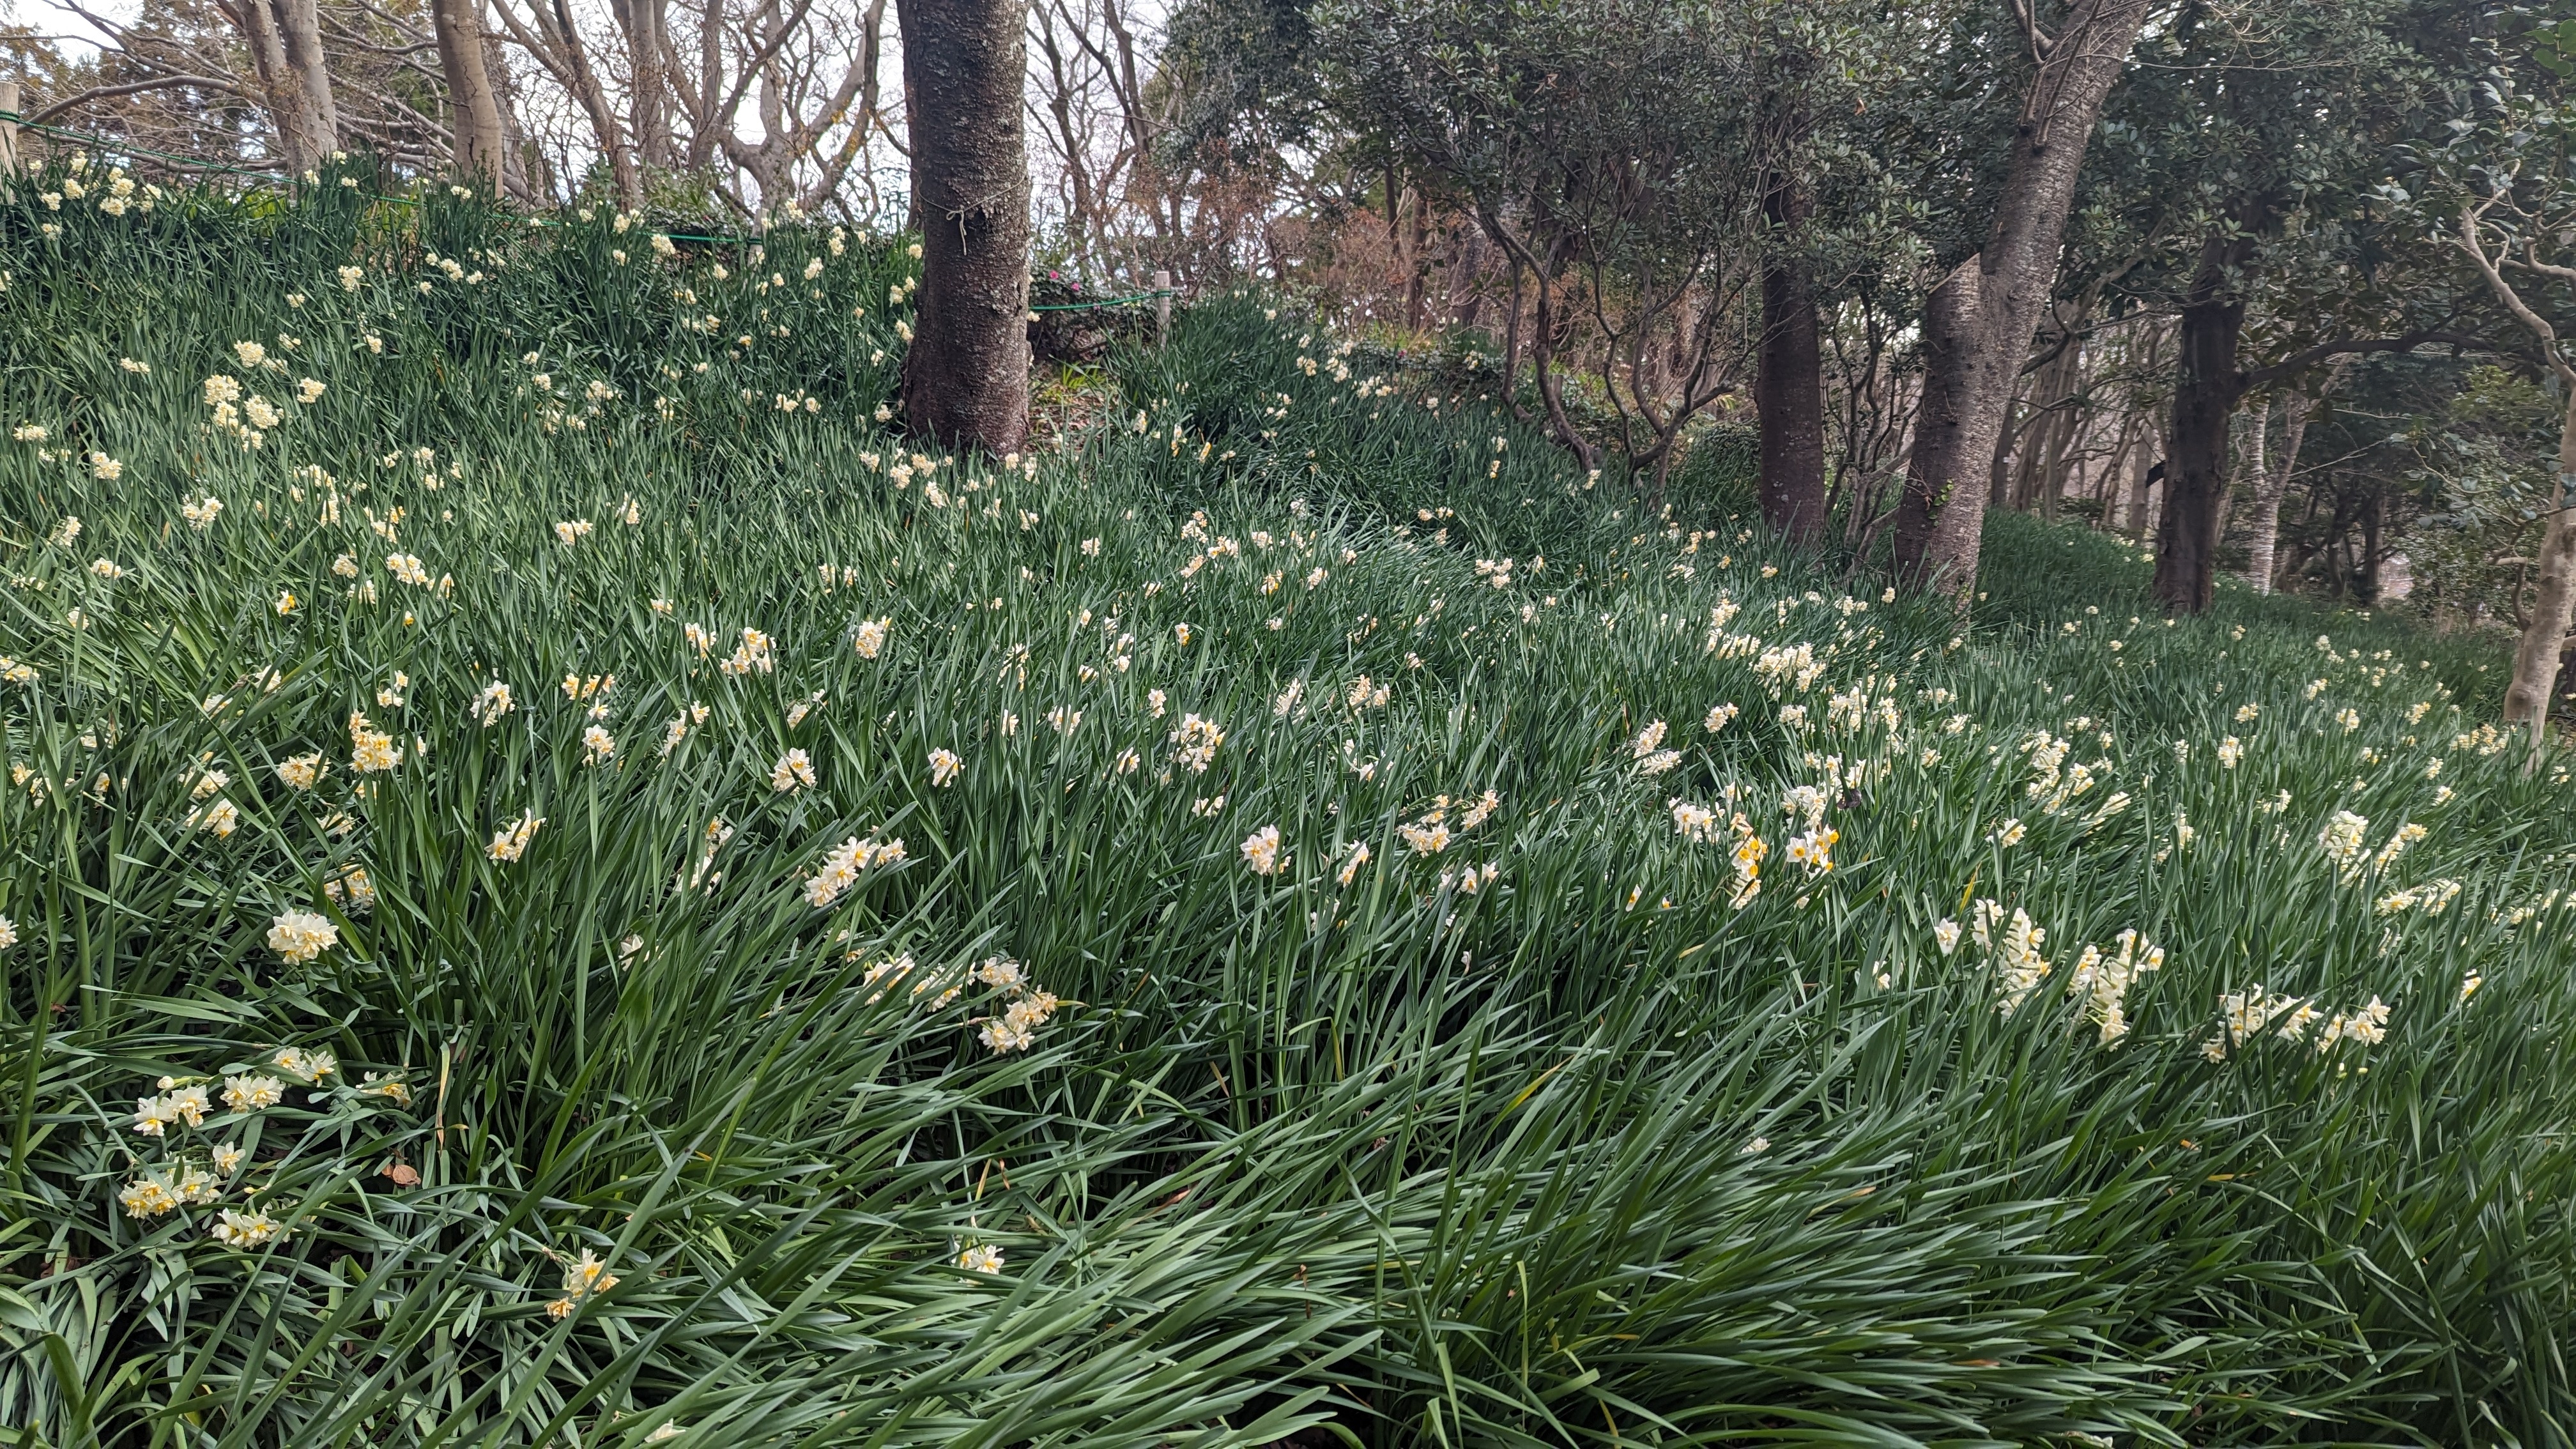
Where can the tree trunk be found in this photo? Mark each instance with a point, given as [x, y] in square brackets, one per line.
[2262, 549]
[1467, 278]
[479, 152]
[1417, 252]
[1999, 467]
[1968, 379]
[299, 25]
[1788, 382]
[2207, 386]
[593, 96]
[1936, 535]
[2372, 510]
[2063, 434]
[2141, 467]
[2535, 658]
[280, 89]
[523, 168]
[647, 25]
[966, 375]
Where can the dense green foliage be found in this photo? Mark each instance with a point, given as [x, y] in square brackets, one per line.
[1532, 1125]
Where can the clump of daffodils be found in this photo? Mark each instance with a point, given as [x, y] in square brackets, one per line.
[1027, 1009]
[1195, 743]
[2103, 981]
[253, 1091]
[1647, 749]
[2343, 839]
[584, 1278]
[1746, 861]
[1359, 856]
[243, 1231]
[352, 889]
[1427, 836]
[511, 841]
[2012, 948]
[371, 751]
[2252, 1012]
[1695, 823]
[2431, 898]
[841, 868]
[300, 936]
[794, 771]
[1261, 851]
[756, 651]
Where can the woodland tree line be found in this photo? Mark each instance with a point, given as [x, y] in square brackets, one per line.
[2276, 288]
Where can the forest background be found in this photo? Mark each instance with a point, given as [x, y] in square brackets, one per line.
[2283, 312]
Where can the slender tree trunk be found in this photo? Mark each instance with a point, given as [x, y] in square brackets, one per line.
[1417, 280]
[2064, 436]
[281, 90]
[1968, 379]
[1467, 278]
[2263, 553]
[1544, 341]
[966, 375]
[2206, 391]
[2373, 511]
[2262, 547]
[2553, 606]
[2141, 464]
[1082, 222]
[647, 24]
[458, 26]
[523, 167]
[1788, 381]
[299, 25]
[593, 96]
[2115, 471]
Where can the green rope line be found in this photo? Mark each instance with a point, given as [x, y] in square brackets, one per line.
[127, 148]
[1106, 301]
[114, 146]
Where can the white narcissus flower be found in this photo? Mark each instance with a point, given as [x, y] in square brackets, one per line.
[300, 936]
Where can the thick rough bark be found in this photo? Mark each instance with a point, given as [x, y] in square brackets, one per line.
[1937, 522]
[458, 27]
[966, 375]
[1788, 386]
[2206, 390]
[1999, 294]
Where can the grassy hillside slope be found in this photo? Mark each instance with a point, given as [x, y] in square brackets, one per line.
[1682, 1001]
